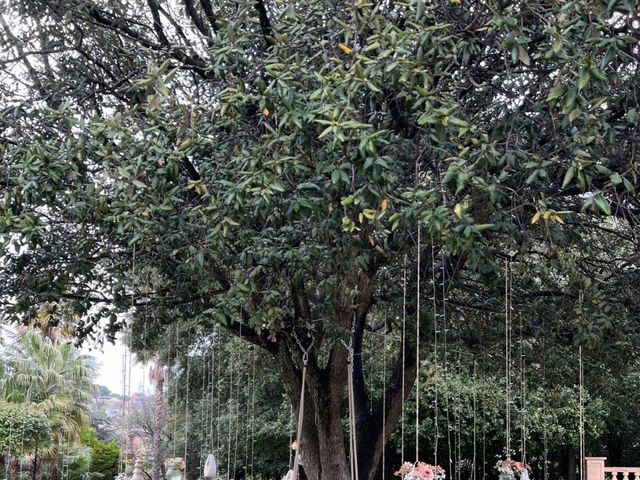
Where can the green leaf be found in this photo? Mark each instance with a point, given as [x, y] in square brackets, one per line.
[124, 173]
[310, 186]
[575, 113]
[523, 56]
[200, 259]
[631, 116]
[568, 176]
[556, 92]
[420, 7]
[346, 201]
[483, 227]
[602, 205]
[583, 79]
[457, 122]
[615, 178]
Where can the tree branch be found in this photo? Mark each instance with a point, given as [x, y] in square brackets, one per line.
[157, 23]
[195, 18]
[265, 23]
[208, 12]
[193, 62]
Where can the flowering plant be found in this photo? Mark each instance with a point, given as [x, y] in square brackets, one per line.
[511, 468]
[176, 463]
[420, 471]
[121, 476]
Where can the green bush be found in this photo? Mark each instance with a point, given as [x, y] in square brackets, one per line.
[104, 456]
[22, 429]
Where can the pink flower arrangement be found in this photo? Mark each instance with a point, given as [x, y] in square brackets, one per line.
[175, 463]
[420, 471]
[511, 468]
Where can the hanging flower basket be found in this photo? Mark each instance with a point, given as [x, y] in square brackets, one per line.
[420, 471]
[174, 468]
[510, 470]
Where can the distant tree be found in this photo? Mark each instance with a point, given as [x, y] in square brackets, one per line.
[103, 391]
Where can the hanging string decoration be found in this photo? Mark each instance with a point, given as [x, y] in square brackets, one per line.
[404, 349]
[582, 430]
[210, 469]
[418, 346]
[352, 420]
[384, 399]
[509, 469]
[507, 359]
[435, 351]
[293, 474]
[418, 470]
[253, 410]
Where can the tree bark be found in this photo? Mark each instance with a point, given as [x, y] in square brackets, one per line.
[34, 467]
[323, 448]
[323, 445]
[571, 463]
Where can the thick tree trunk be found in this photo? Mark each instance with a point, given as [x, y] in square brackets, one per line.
[323, 447]
[571, 463]
[614, 446]
[34, 467]
[157, 374]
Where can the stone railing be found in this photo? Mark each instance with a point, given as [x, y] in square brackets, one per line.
[596, 470]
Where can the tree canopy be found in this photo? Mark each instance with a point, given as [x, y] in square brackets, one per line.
[285, 169]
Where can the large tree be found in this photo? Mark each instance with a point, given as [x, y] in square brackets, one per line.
[285, 168]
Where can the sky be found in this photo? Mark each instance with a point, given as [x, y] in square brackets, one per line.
[109, 362]
[109, 358]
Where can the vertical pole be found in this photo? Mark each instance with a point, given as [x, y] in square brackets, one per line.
[384, 400]
[418, 349]
[296, 458]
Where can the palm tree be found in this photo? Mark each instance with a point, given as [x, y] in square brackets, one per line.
[57, 380]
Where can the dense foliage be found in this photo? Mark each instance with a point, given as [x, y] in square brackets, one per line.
[103, 462]
[284, 169]
[22, 429]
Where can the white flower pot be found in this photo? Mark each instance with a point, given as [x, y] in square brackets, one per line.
[174, 474]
